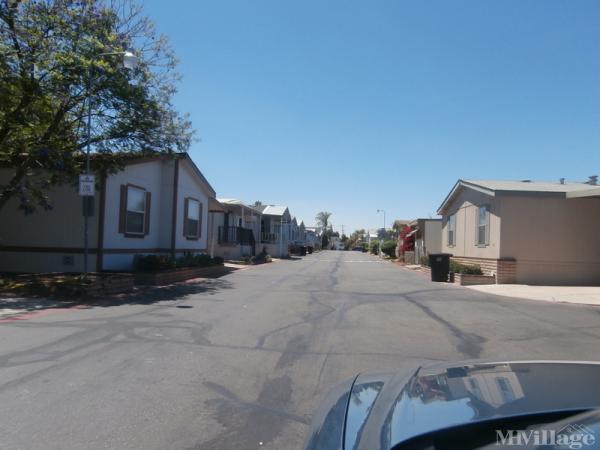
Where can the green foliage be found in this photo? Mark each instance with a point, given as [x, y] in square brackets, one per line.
[464, 268]
[192, 260]
[261, 258]
[50, 52]
[155, 263]
[374, 247]
[389, 248]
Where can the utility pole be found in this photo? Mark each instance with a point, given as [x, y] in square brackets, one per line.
[383, 235]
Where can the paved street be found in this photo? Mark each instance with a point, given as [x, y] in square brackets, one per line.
[244, 359]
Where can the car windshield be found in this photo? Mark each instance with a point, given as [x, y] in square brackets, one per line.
[315, 225]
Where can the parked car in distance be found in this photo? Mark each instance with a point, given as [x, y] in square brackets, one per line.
[465, 405]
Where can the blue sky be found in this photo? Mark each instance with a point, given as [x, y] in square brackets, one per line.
[352, 106]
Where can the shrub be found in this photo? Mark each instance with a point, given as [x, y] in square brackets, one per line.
[457, 267]
[424, 260]
[407, 242]
[153, 263]
[156, 263]
[389, 248]
[191, 260]
[374, 247]
[261, 258]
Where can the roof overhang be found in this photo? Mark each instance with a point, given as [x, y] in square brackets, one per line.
[186, 157]
[458, 187]
[592, 192]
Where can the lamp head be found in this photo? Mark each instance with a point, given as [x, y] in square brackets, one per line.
[130, 61]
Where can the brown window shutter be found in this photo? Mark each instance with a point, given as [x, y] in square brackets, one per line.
[185, 216]
[123, 209]
[147, 213]
[200, 222]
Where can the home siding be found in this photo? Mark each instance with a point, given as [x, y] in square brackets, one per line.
[190, 186]
[148, 175]
[60, 228]
[465, 206]
[554, 240]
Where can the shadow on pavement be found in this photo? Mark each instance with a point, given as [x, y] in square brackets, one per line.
[151, 294]
[142, 295]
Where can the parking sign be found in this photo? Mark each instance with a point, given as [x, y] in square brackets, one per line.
[87, 185]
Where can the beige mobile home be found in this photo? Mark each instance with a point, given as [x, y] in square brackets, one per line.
[525, 232]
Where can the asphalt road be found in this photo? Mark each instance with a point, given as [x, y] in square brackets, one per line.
[245, 359]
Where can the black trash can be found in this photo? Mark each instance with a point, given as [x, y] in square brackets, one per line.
[310, 249]
[303, 251]
[440, 266]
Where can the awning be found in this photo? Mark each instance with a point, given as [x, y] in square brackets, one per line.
[215, 206]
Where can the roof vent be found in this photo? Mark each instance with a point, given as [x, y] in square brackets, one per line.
[562, 181]
[593, 180]
[525, 181]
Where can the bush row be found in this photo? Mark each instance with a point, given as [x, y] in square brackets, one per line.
[154, 263]
[465, 269]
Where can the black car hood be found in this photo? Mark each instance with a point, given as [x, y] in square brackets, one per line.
[384, 410]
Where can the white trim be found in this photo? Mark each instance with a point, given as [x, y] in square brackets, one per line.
[455, 190]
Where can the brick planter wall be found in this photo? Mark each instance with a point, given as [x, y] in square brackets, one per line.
[465, 279]
[180, 274]
[505, 270]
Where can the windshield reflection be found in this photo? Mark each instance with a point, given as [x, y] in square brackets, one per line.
[362, 399]
[458, 395]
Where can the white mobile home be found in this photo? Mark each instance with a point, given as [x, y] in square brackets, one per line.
[154, 205]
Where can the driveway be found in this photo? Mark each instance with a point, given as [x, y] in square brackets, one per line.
[241, 362]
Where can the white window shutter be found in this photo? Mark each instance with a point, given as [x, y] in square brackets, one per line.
[487, 225]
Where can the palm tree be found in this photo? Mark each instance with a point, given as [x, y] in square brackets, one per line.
[322, 219]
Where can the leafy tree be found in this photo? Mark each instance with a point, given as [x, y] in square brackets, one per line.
[50, 51]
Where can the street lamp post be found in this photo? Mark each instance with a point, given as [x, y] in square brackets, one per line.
[130, 63]
[381, 240]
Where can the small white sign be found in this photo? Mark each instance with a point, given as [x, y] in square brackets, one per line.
[87, 185]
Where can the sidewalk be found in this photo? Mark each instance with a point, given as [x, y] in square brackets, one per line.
[584, 295]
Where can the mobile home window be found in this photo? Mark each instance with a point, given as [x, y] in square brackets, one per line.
[452, 230]
[136, 210]
[193, 209]
[482, 225]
